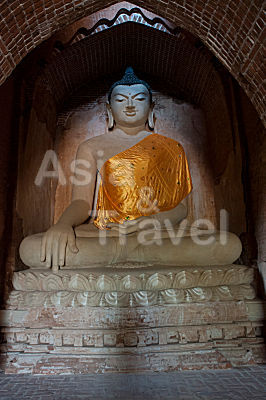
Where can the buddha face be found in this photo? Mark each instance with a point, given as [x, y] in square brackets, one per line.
[130, 105]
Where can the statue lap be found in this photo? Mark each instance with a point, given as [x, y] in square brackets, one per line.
[156, 249]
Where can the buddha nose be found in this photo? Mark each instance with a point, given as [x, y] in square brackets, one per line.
[130, 103]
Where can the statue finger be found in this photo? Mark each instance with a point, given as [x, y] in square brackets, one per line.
[48, 251]
[72, 243]
[62, 250]
[55, 268]
[43, 248]
[55, 248]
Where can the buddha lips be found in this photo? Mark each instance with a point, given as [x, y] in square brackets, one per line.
[149, 177]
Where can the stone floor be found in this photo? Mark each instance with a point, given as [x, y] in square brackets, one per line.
[237, 384]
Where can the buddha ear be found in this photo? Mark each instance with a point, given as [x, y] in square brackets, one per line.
[151, 117]
[111, 121]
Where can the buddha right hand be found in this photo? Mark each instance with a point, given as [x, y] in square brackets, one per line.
[54, 243]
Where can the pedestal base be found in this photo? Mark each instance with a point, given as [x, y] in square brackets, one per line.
[58, 338]
[186, 336]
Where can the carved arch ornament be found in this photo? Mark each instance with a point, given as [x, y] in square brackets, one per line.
[135, 15]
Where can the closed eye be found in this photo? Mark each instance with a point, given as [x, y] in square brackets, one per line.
[119, 100]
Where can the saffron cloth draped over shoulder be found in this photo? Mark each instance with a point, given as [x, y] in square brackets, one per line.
[147, 178]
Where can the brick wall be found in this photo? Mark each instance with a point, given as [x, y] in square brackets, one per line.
[233, 30]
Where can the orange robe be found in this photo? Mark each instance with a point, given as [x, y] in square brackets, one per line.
[147, 178]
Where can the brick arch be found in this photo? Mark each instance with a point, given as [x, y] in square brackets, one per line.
[232, 30]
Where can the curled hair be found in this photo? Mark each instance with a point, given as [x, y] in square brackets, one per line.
[129, 79]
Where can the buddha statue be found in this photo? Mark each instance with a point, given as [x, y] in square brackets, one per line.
[131, 206]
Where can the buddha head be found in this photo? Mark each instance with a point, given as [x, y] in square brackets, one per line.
[130, 102]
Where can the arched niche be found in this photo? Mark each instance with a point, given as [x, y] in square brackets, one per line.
[186, 73]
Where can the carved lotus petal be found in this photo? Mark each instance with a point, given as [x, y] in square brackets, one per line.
[82, 298]
[209, 278]
[81, 282]
[53, 299]
[15, 298]
[34, 299]
[123, 299]
[221, 293]
[172, 296]
[109, 299]
[185, 279]
[158, 281]
[240, 275]
[243, 292]
[32, 282]
[116, 299]
[130, 282]
[26, 281]
[218, 276]
[231, 277]
[198, 294]
[18, 280]
[247, 275]
[105, 284]
[153, 298]
[62, 298]
[91, 299]
[52, 282]
[143, 298]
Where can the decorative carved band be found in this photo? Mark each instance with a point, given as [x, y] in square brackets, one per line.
[108, 23]
[70, 338]
[135, 280]
[141, 298]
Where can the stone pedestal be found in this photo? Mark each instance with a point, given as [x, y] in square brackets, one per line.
[132, 319]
